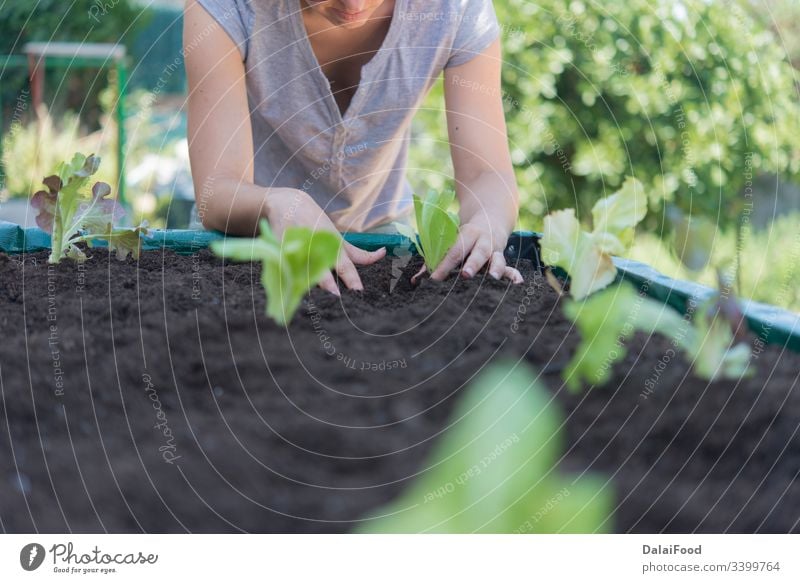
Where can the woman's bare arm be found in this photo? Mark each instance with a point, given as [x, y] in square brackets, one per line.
[485, 182]
[220, 135]
[221, 150]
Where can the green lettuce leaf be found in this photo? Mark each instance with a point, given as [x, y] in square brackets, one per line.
[71, 216]
[575, 251]
[438, 227]
[289, 268]
[606, 320]
[494, 470]
[587, 256]
[692, 239]
[715, 353]
[124, 242]
[619, 213]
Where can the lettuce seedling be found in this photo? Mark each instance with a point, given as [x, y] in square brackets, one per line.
[605, 321]
[438, 227]
[715, 352]
[609, 318]
[720, 323]
[71, 216]
[692, 239]
[494, 470]
[584, 255]
[289, 268]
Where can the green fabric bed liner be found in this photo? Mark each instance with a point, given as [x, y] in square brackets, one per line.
[770, 325]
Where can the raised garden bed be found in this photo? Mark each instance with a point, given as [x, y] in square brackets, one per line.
[157, 396]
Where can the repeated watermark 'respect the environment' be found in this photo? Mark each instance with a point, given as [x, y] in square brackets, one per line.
[54, 336]
[537, 123]
[189, 46]
[20, 107]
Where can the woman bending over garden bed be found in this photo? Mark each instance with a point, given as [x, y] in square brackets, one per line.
[300, 110]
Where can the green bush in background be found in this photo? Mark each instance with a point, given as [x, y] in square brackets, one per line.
[691, 97]
[156, 52]
[770, 261]
[34, 150]
[687, 96]
[73, 21]
[782, 16]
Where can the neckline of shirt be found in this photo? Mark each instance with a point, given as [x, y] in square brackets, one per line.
[367, 71]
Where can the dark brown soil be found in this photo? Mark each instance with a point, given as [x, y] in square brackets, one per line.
[158, 397]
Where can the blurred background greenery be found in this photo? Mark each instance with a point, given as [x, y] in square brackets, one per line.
[696, 98]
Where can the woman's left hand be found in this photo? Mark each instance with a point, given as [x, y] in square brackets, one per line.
[481, 241]
[484, 174]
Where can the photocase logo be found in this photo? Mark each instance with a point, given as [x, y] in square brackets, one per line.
[31, 556]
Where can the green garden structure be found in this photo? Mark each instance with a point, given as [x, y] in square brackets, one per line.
[40, 55]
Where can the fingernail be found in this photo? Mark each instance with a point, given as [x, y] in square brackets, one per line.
[468, 272]
[494, 274]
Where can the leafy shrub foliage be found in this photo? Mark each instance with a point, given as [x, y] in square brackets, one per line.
[782, 16]
[78, 20]
[689, 97]
[289, 266]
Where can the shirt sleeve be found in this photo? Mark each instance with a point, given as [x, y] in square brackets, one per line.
[477, 29]
[232, 17]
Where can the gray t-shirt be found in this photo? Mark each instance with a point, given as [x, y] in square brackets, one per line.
[352, 166]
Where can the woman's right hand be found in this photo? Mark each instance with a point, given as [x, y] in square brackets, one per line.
[291, 207]
[227, 198]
